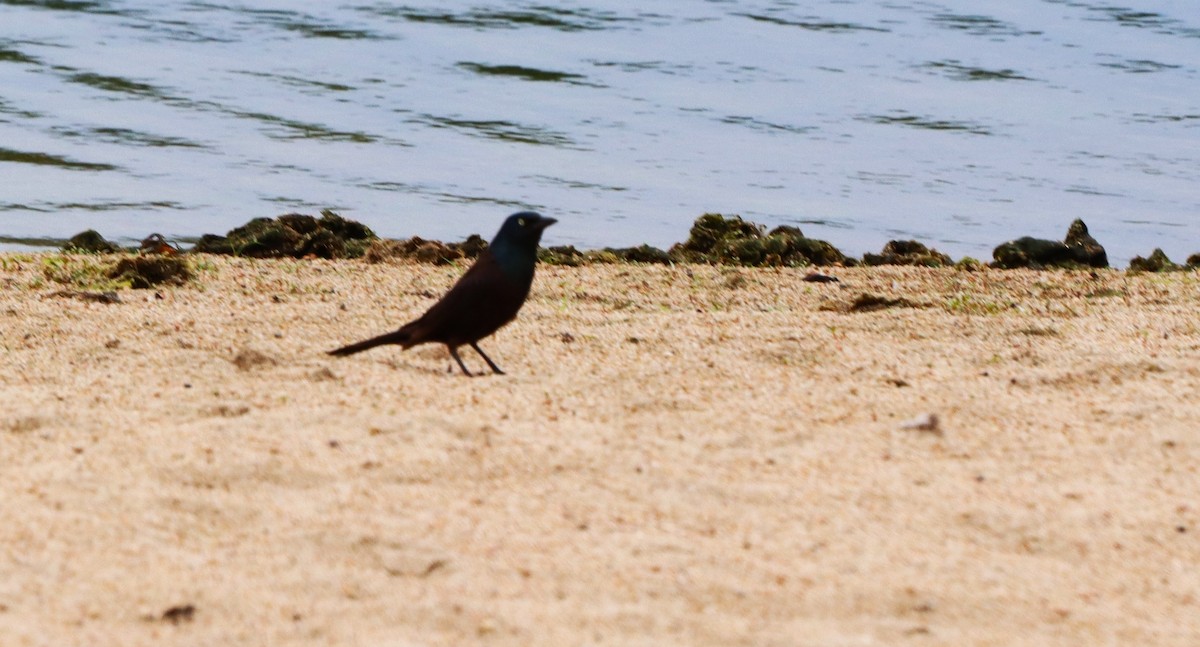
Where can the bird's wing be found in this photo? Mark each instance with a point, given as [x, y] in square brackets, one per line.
[482, 300]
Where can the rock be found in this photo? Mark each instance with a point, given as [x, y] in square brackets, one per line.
[1157, 262]
[472, 247]
[1078, 250]
[866, 302]
[925, 422]
[1030, 252]
[640, 254]
[713, 229]
[248, 359]
[433, 252]
[413, 249]
[602, 256]
[107, 296]
[291, 235]
[907, 252]
[425, 251]
[213, 244]
[716, 239]
[968, 264]
[144, 272]
[871, 302]
[811, 250]
[90, 241]
[561, 255]
[1085, 248]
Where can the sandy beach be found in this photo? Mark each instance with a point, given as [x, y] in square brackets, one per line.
[686, 455]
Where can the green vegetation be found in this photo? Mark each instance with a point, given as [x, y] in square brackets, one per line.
[292, 236]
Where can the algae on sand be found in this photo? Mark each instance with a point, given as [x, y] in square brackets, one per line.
[716, 239]
[1158, 261]
[907, 252]
[425, 251]
[1078, 249]
[292, 235]
[148, 271]
[90, 242]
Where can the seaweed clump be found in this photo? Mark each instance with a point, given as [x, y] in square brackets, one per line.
[1156, 262]
[720, 240]
[1078, 249]
[142, 272]
[867, 302]
[90, 242]
[569, 256]
[292, 235]
[640, 254]
[907, 252]
[561, 255]
[425, 251]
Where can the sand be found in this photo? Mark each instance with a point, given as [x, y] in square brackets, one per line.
[677, 456]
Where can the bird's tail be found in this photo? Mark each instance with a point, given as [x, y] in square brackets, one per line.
[401, 337]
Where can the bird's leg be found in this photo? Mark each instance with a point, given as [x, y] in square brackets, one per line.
[454, 354]
[495, 369]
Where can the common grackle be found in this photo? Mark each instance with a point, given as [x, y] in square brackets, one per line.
[484, 299]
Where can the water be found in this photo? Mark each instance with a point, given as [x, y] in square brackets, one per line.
[961, 124]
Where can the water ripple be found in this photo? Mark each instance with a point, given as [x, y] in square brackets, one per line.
[317, 87]
[959, 72]
[37, 158]
[54, 207]
[446, 196]
[813, 25]
[499, 129]
[1141, 66]
[8, 55]
[526, 73]
[977, 25]
[568, 19]
[928, 123]
[125, 136]
[83, 6]
[765, 126]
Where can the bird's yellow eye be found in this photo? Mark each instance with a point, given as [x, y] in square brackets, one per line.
[521, 221]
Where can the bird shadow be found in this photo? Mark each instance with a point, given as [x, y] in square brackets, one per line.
[451, 369]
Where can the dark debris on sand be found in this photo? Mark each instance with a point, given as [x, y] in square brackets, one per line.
[569, 256]
[424, 251]
[907, 252]
[144, 272]
[90, 242]
[1077, 250]
[292, 235]
[713, 239]
[1159, 262]
[716, 239]
[866, 302]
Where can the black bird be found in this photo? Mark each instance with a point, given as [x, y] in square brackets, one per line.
[484, 299]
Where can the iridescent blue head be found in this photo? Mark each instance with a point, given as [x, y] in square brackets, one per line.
[523, 229]
[515, 245]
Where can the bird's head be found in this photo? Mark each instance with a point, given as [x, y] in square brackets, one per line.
[522, 231]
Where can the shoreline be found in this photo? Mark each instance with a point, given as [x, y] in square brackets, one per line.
[712, 239]
[678, 455]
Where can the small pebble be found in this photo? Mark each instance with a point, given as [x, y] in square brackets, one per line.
[925, 422]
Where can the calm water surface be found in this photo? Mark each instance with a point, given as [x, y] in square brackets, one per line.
[961, 123]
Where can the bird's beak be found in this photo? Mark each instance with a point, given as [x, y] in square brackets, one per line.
[545, 222]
